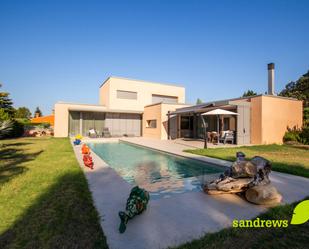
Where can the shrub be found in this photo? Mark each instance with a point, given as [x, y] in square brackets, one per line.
[304, 135]
[4, 115]
[297, 135]
[6, 128]
[17, 130]
[292, 135]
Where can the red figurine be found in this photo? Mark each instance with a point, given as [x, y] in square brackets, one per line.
[88, 161]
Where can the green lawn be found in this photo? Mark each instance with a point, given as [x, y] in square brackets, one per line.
[293, 236]
[284, 158]
[44, 197]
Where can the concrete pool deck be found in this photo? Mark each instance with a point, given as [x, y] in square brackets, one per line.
[180, 218]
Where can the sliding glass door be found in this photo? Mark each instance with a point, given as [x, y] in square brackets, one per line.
[82, 122]
[74, 123]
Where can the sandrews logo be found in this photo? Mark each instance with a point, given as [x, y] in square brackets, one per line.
[301, 213]
[300, 216]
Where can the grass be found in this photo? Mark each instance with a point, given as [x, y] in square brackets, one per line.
[293, 236]
[284, 158]
[45, 200]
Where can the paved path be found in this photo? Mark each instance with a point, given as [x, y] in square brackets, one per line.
[175, 220]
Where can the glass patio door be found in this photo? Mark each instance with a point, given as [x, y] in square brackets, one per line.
[74, 123]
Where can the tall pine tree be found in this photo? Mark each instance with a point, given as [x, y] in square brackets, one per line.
[6, 104]
[298, 89]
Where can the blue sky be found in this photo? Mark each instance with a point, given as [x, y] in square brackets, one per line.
[64, 50]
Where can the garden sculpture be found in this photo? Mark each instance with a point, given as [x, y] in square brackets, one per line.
[78, 139]
[85, 149]
[136, 204]
[249, 177]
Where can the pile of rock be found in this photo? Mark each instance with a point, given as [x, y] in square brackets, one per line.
[248, 177]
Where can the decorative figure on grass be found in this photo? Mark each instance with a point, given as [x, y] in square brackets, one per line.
[136, 204]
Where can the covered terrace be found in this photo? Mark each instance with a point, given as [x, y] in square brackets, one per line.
[187, 123]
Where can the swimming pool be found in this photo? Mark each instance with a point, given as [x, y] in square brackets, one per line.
[160, 173]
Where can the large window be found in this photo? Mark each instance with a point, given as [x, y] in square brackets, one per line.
[164, 98]
[126, 94]
[152, 123]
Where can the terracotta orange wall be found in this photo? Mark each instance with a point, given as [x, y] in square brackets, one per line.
[158, 112]
[152, 112]
[256, 120]
[277, 115]
[270, 117]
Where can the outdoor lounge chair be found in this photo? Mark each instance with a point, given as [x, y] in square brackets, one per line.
[92, 133]
[106, 133]
[228, 136]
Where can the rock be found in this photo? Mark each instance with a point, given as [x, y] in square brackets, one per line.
[263, 195]
[227, 186]
[243, 169]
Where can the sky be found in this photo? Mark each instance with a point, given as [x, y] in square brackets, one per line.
[63, 50]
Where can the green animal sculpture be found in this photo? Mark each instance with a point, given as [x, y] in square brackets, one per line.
[136, 204]
[301, 213]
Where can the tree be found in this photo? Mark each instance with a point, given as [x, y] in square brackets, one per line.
[6, 103]
[298, 89]
[249, 93]
[199, 101]
[23, 112]
[38, 112]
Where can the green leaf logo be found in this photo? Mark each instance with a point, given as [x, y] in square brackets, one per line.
[301, 213]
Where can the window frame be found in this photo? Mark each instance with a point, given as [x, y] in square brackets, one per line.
[124, 92]
[149, 122]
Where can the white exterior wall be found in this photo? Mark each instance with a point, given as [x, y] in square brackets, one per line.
[145, 90]
[61, 127]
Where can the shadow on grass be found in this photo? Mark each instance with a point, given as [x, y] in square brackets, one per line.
[12, 161]
[63, 217]
[16, 144]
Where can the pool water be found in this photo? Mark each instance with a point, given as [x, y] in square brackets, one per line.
[160, 173]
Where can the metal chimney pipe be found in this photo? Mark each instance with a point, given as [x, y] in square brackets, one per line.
[271, 78]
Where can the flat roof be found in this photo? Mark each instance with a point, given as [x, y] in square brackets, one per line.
[224, 102]
[142, 81]
[96, 108]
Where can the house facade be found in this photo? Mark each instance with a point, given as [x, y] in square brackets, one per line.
[120, 109]
[130, 107]
[261, 119]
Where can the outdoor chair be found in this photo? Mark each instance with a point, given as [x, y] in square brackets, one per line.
[92, 133]
[228, 136]
[106, 133]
